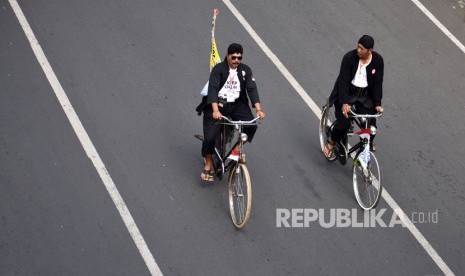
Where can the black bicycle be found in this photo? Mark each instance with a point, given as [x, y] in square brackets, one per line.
[366, 173]
[239, 183]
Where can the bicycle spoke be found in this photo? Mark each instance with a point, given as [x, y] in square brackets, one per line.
[369, 192]
[240, 197]
[367, 186]
[239, 186]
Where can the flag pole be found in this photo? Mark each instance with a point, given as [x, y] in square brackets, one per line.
[214, 55]
[215, 13]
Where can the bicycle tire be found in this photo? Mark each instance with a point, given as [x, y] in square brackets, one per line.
[367, 182]
[240, 195]
[326, 124]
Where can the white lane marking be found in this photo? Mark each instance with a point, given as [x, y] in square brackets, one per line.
[87, 143]
[275, 60]
[439, 25]
[386, 196]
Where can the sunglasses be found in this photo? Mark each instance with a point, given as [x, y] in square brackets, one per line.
[236, 57]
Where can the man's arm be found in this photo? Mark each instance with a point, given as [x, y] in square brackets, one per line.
[378, 83]
[251, 86]
[213, 89]
[252, 91]
[345, 79]
[259, 111]
[216, 111]
[214, 84]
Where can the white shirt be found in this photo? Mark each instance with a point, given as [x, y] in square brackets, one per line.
[231, 88]
[360, 78]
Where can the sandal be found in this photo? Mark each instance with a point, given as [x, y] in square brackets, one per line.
[328, 150]
[208, 175]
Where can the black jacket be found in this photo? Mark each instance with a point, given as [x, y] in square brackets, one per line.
[375, 72]
[218, 78]
[220, 74]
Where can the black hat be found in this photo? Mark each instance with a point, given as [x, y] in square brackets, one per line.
[367, 41]
[235, 48]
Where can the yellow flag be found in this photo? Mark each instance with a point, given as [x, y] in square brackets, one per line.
[214, 55]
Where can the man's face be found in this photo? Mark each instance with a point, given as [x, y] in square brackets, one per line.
[362, 52]
[234, 60]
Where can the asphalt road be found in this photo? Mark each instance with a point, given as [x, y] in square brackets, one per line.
[133, 71]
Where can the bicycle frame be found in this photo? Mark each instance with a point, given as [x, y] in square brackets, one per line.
[362, 122]
[221, 153]
[366, 172]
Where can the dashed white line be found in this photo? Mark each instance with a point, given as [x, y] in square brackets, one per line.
[87, 143]
[311, 104]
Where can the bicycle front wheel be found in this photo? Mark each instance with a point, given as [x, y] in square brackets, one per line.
[367, 181]
[240, 194]
[326, 125]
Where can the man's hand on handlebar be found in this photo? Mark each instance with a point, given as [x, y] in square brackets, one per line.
[259, 111]
[345, 110]
[217, 115]
[261, 114]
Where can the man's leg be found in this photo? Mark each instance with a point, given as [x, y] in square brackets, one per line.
[211, 130]
[340, 129]
[342, 124]
[243, 112]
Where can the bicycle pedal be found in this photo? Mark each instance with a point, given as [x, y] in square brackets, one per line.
[199, 136]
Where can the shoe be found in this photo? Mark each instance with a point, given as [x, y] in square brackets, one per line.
[372, 147]
[234, 155]
[342, 155]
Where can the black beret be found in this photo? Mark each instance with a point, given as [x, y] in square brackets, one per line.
[367, 41]
[235, 48]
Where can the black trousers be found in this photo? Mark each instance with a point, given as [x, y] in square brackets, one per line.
[211, 127]
[343, 124]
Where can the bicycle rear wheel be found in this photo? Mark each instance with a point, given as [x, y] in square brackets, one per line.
[240, 194]
[219, 155]
[326, 125]
[367, 182]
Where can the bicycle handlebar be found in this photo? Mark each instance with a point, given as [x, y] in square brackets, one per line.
[229, 121]
[355, 115]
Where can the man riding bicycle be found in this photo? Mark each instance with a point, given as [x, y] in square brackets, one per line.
[359, 84]
[231, 85]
